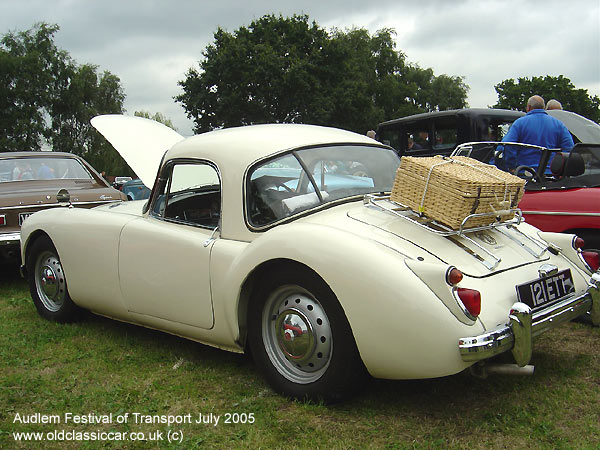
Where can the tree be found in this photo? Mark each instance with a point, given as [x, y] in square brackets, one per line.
[290, 70]
[158, 117]
[30, 78]
[87, 94]
[514, 95]
[47, 98]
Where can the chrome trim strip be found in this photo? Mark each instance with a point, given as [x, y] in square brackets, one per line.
[542, 247]
[10, 238]
[561, 213]
[522, 326]
[51, 205]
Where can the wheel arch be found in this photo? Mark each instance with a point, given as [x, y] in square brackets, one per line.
[251, 283]
[32, 238]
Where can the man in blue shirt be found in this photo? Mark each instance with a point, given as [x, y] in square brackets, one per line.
[536, 128]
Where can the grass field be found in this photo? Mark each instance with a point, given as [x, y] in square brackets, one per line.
[102, 367]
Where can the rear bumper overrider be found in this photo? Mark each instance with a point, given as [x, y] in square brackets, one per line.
[524, 324]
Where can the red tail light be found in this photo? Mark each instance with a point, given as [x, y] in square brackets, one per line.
[2, 219]
[578, 242]
[471, 299]
[453, 276]
[592, 259]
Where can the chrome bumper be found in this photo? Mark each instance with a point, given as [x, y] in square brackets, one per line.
[524, 324]
[10, 238]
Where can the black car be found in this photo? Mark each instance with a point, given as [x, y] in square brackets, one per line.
[439, 132]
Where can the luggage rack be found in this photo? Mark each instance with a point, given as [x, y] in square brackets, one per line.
[490, 261]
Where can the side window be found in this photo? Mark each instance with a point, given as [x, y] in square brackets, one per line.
[445, 133]
[390, 136]
[494, 129]
[191, 195]
[417, 137]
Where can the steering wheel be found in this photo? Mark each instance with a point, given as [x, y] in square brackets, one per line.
[528, 172]
[283, 185]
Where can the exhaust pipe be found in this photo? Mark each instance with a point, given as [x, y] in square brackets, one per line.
[510, 369]
[482, 370]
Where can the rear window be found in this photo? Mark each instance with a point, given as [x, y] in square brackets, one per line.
[304, 179]
[24, 169]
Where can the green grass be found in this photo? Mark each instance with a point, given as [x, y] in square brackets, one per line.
[103, 366]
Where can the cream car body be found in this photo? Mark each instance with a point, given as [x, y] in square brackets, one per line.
[388, 274]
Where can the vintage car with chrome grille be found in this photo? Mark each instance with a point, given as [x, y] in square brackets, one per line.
[262, 238]
[32, 181]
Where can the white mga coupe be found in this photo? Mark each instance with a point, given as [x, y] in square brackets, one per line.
[282, 240]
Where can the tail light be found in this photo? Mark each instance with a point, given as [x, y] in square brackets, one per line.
[471, 299]
[592, 259]
[578, 243]
[453, 276]
[2, 219]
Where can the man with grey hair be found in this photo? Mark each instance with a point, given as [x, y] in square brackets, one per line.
[553, 104]
[535, 128]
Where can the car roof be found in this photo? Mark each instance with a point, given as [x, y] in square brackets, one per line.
[243, 145]
[457, 112]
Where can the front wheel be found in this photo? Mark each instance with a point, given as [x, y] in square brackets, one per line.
[48, 283]
[301, 340]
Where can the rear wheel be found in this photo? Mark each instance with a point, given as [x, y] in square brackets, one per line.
[301, 340]
[48, 283]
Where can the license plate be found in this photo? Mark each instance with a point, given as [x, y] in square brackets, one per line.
[22, 217]
[546, 290]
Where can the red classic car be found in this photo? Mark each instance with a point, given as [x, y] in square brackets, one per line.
[569, 201]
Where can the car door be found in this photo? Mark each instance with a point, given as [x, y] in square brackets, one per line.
[164, 256]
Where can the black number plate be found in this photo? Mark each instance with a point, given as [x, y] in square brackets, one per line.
[22, 217]
[547, 289]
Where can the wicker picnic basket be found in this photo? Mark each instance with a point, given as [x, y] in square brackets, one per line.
[450, 189]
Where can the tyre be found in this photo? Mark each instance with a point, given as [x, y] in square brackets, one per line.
[301, 340]
[48, 283]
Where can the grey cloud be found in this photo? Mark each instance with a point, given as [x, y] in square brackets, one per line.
[150, 44]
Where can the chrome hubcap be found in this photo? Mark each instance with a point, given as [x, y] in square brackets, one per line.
[297, 334]
[50, 281]
[294, 335]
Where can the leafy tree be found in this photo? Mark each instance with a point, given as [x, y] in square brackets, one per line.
[86, 95]
[290, 70]
[514, 95]
[46, 97]
[158, 117]
[30, 78]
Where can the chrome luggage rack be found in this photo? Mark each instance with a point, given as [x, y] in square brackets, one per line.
[508, 228]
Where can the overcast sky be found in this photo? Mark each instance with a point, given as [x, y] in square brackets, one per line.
[150, 44]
